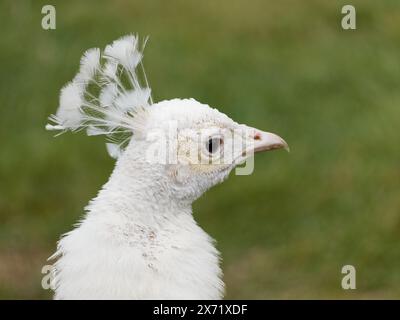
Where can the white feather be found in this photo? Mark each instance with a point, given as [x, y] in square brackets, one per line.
[90, 63]
[111, 107]
[108, 94]
[110, 70]
[132, 99]
[125, 51]
[113, 150]
[69, 113]
[94, 131]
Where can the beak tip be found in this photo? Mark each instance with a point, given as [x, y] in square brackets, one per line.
[285, 146]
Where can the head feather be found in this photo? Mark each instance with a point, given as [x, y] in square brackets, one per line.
[105, 95]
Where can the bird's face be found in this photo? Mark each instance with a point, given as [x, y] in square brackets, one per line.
[198, 146]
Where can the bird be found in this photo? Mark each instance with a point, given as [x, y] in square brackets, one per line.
[138, 238]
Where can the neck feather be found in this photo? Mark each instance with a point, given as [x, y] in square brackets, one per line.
[140, 191]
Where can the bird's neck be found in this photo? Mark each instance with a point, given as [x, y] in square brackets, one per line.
[140, 192]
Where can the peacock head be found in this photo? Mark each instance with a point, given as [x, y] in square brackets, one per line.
[192, 144]
[197, 145]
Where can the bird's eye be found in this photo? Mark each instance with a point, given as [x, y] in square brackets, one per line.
[213, 145]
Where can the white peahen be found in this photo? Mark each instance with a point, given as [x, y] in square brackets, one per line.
[138, 239]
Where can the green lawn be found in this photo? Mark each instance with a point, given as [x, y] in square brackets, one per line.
[285, 66]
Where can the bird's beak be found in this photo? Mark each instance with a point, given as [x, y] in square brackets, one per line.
[266, 141]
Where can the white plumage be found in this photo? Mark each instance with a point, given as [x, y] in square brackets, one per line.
[138, 239]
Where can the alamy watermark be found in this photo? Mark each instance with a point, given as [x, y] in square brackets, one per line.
[349, 18]
[49, 18]
[349, 280]
[48, 280]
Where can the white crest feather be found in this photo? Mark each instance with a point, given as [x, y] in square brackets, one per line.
[107, 107]
[90, 63]
[69, 113]
[125, 51]
[108, 94]
[94, 131]
[114, 150]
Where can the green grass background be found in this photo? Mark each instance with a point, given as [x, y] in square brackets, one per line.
[285, 66]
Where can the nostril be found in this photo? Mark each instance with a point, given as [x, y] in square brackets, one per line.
[257, 136]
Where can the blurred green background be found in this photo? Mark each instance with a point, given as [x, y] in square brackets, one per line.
[286, 66]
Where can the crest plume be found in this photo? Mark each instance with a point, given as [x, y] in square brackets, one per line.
[105, 95]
